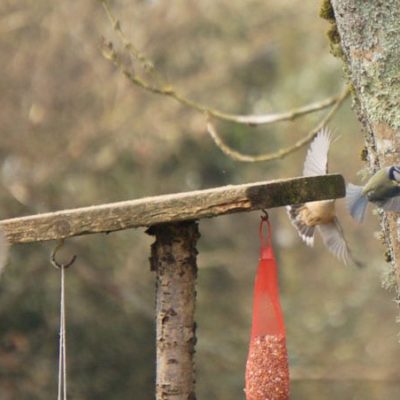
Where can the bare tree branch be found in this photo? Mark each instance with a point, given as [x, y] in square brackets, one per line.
[283, 116]
[134, 52]
[166, 89]
[282, 152]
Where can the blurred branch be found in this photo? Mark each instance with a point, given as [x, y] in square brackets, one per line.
[110, 286]
[282, 152]
[167, 90]
[13, 21]
[134, 52]
[282, 116]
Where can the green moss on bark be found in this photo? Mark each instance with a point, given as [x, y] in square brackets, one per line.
[333, 34]
[326, 11]
[364, 154]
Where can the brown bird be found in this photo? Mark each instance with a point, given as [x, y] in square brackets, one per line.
[320, 215]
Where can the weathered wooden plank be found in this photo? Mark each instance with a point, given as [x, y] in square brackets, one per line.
[171, 208]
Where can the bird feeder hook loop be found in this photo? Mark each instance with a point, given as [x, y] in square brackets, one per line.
[53, 260]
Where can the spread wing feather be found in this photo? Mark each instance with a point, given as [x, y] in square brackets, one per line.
[334, 240]
[316, 162]
[306, 232]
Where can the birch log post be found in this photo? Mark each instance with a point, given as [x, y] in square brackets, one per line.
[173, 258]
[369, 32]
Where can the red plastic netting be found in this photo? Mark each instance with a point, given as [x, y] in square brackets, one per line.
[267, 370]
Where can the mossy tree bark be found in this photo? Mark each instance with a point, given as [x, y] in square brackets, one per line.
[369, 33]
[173, 258]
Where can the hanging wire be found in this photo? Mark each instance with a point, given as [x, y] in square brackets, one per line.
[62, 358]
[62, 364]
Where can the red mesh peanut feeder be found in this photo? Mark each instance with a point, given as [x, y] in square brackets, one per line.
[267, 370]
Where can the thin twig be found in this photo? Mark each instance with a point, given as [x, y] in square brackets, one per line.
[135, 53]
[282, 152]
[283, 116]
[168, 90]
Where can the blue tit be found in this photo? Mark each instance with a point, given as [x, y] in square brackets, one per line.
[382, 189]
[320, 215]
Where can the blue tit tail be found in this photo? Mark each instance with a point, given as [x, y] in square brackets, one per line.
[356, 202]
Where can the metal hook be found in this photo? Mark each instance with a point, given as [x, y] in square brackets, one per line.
[264, 217]
[53, 260]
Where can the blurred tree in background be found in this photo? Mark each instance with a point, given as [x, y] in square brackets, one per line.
[75, 132]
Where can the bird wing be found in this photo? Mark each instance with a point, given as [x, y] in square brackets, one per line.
[333, 238]
[306, 232]
[316, 162]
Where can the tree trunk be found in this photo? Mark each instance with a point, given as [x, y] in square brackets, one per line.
[369, 33]
[173, 257]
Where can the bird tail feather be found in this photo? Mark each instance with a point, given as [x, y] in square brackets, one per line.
[356, 202]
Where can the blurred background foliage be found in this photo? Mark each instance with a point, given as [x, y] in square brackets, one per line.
[75, 132]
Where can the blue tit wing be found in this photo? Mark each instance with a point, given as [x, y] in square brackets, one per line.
[316, 162]
[306, 232]
[356, 202]
[392, 204]
[335, 242]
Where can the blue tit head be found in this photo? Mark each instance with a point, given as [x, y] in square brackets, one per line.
[394, 173]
